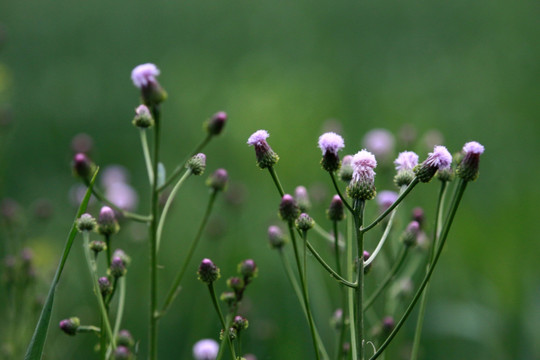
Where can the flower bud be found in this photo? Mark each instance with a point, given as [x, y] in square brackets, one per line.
[97, 246]
[288, 209]
[266, 157]
[70, 326]
[86, 223]
[336, 210]
[302, 198]
[304, 222]
[83, 166]
[276, 237]
[409, 236]
[105, 287]
[445, 175]
[228, 297]
[208, 272]
[468, 167]
[122, 353]
[122, 255]
[107, 224]
[197, 164]
[240, 323]
[218, 180]
[124, 338]
[143, 119]
[235, 283]
[206, 349]
[330, 143]
[144, 77]
[346, 171]
[388, 325]
[439, 159]
[215, 125]
[118, 267]
[248, 269]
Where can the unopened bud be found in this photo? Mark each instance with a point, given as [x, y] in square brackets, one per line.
[336, 210]
[122, 353]
[302, 198]
[83, 166]
[445, 175]
[124, 338]
[288, 209]
[228, 298]
[418, 215]
[208, 272]
[276, 237]
[215, 125]
[248, 269]
[346, 171]
[118, 267]
[240, 323]
[105, 287]
[86, 223]
[218, 180]
[107, 223]
[409, 236]
[235, 283]
[304, 222]
[197, 164]
[70, 326]
[143, 119]
[97, 246]
[336, 321]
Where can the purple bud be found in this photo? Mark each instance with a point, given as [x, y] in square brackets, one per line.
[118, 267]
[336, 210]
[304, 222]
[83, 166]
[248, 269]
[105, 286]
[288, 209]
[107, 221]
[122, 353]
[215, 125]
[124, 338]
[70, 326]
[208, 271]
[276, 237]
[218, 180]
[86, 223]
[302, 198]
[418, 215]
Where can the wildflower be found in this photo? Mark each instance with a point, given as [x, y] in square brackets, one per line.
[97, 246]
[346, 170]
[336, 210]
[266, 157]
[105, 287]
[248, 269]
[208, 272]
[240, 323]
[218, 180]
[439, 159]
[468, 167]
[86, 223]
[337, 320]
[143, 119]
[70, 326]
[288, 209]
[304, 222]
[83, 166]
[386, 198]
[330, 143]
[206, 349]
[405, 163]
[118, 267]
[215, 125]
[380, 142]
[276, 237]
[197, 164]
[302, 198]
[107, 224]
[144, 77]
[410, 235]
[362, 185]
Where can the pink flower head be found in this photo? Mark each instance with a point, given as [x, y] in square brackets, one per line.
[363, 163]
[258, 138]
[331, 142]
[406, 160]
[380, 142]
[206, 349]
[144, 74]
[473, 148]
[386, 198]
[440, 158]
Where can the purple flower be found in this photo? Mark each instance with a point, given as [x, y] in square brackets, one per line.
[206, 349]
[363, 163]
[258, 138]
[406, 160]
[266, 157]
[473, 147]
[380, 142]
[386, 198]
[468, 167]
[440, 158]
[331, 142]
[144, 74]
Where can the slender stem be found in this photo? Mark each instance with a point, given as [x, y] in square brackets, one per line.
[153, 240]
[336, 248]
[423, 301]
[93, 274]
[359, 314]
[88, 329]
[119, 310]
[304, 290]
[276, 180]
[328, 268]
[108, 251]
[182, 165]
[146, 152]
[336, 186]
[168, 205]
[389, 277]
[409, 188]
[350, 297]
[341, 337]
[175, 288]
[226, 324]
[129, 215]
[383, 239]
[444, 234]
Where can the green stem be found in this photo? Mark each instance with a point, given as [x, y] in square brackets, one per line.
[182, 165]
[391, 275]
[444, 234]
[175, 288]
[409, 188]
[88, 329]
[276, 180]
[146, 152]
[129, 215]
[153, 240]
[93, 274]
[326, 235]
[168, 205]
[304, 290]
[336, 248]
[328, 268]
[383, 239]
[333, 177]
[225, 324]
[351, 291]
[423, 301]
[359, 290]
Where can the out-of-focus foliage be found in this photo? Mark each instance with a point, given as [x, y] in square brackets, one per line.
[466, 69]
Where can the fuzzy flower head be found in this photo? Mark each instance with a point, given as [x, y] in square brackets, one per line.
[362, 185]
[206, 349]
[380, 142]
[439, 159]
[144, 74]
[266, 157]
[406, 160]
[330, 143]
[468, 167]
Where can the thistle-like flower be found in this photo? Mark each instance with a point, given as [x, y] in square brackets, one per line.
[266, 157]
[144, 77]
[362, 185]
[206, 349]
[468, 167]
[405, 164]
[439, 159]
[330, 143]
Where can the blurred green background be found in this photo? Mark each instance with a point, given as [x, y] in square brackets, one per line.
[466, 69]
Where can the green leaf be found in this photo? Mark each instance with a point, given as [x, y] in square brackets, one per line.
[35, 348]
